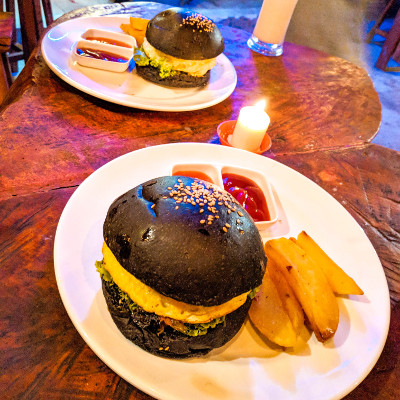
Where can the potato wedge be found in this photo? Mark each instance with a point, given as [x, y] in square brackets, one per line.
[269, 315]
[287, 296]
[139, 23]
[136, 28]
[340, 282]
[309, 285]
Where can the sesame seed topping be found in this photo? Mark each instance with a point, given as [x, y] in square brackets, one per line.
[206, 196]
[199, 22]
[240, 214]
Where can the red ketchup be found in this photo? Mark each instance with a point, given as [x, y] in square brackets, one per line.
[194, 174]
[248, 194]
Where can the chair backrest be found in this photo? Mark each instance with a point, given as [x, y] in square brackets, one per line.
[32, 24]
[6, 28]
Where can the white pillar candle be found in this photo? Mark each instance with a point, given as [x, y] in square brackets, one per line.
[250, 128]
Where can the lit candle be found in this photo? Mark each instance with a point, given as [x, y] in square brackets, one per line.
[251, 127]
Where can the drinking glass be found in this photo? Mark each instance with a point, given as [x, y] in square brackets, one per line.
[270, 30]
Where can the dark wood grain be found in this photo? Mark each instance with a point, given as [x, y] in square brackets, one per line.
[42, 354]
[324, 112]
[366, 182]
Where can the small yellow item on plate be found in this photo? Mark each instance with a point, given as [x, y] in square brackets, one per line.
[309, 284]
[136, 28]
[271, 310]
[340, 282]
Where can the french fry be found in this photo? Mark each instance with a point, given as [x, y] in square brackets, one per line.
[136, 28]
[340, 282]
[288, 298]
[268, 314]
[309, 285]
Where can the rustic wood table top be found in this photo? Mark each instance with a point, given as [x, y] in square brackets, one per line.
[324, 113]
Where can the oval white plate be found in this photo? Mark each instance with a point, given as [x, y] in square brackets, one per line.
[127, 88]
[246, 368]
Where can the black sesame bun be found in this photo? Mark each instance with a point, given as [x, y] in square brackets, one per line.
[169, 245]
[175, 36]
[190, 243]
[185, 34]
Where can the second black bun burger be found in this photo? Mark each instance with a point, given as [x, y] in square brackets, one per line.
[179, 49]
[181, 262]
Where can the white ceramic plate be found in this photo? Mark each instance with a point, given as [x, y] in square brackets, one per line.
[246, 368]
[127, 88]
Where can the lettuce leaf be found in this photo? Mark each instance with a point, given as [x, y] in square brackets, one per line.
[105, 275]
[201, 329]
[253, 293]
[164, 69]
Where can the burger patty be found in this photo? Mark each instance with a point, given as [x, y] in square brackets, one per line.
[148, 332]
[179, 79]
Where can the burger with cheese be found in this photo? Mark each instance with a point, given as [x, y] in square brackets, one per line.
[181, 263]
[179, 49]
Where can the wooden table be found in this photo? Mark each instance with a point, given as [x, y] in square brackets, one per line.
[324, 113]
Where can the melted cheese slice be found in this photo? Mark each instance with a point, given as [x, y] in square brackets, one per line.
[192, 67]
[154, 302]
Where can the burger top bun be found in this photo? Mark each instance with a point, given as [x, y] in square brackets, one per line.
[185, 34]
[183, 249]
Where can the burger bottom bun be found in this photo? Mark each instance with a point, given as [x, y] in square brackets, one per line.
[143, 328]
[180, 79]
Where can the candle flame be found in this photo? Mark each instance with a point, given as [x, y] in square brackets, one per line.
[261, 104]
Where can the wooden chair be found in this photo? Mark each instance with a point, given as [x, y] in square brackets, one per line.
[6, 29]
[391, 44]
[32, 24]
[32, 27]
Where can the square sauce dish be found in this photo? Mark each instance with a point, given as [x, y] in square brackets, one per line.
[109, 37]
[110, 51]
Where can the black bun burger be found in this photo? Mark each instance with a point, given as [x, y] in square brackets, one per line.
[181, 262]
[179, 49]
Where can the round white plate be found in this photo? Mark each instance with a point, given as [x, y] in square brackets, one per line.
[127, 88]
[246, 368]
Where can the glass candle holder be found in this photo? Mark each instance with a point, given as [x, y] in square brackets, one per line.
[271, 26]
